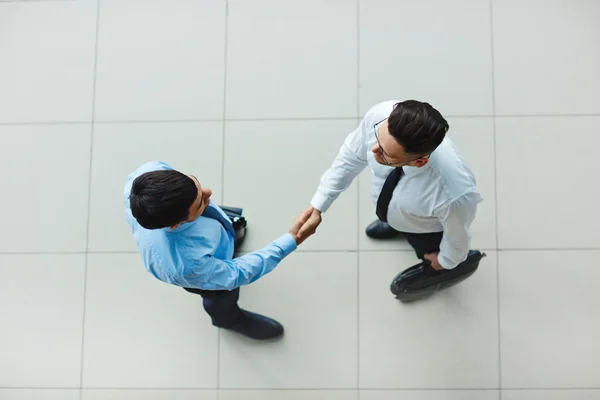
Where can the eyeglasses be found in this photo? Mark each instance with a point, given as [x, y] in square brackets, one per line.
[383, 153]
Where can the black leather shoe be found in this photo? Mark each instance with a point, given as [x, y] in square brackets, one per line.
[381, 230]
[258, 327]
[422, 280]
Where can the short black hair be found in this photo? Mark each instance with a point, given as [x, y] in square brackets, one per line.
[417, 126]
[160, 199]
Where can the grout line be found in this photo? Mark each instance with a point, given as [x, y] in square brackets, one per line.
[45, 122]
[357, 201]
[358, 58]
[89, 210]
[150, 121]
[225, 59]
[301, 389]
[498, 308]
[391, 250]
[36, 1]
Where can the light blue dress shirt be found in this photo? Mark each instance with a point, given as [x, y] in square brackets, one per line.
[199, 254]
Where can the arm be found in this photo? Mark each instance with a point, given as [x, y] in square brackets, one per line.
[350, 161]
[210, 273]
[456, 220]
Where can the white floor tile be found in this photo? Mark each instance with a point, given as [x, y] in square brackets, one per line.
[549, 324]
[47, 67]
[547, 191]
[430, 395]
[39, 394]
[546, 56]
[45, 194]
[551, 394]
[449, 340]
[149, 394]
[288, 395]
[192, 148]
[475, 139]
[314, 296]
[160, 60]
[273, 169]
[142, 333]
[434, 51]
[291, 59]
[41, 304]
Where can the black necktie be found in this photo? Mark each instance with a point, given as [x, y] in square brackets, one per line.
[383, 202]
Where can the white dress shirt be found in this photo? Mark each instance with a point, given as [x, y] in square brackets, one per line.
[440, 196]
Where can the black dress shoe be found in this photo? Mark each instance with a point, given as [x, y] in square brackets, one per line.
[422, 280]
[257, 327]
[381, 230]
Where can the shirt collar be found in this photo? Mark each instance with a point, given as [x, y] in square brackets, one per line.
[412, 171]
[182, 227]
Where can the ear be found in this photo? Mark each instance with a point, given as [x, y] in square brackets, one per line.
[421, 162]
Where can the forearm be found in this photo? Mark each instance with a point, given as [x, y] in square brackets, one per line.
[456, 241]
[453, 252]
[217, 274]
[344, 169]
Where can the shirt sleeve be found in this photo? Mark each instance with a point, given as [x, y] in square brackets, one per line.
[210, 273]
[456, 221]
[350, 161]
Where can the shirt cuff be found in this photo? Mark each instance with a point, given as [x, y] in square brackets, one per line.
[286, 243]
[445, 262]
[321, 202]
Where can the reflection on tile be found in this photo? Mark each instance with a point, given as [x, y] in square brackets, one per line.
[44, 187]
[546, 56]
[543, 202]
[549, 319]
[291, 59]
[160, 60]
[160, 334]
[434, 51]
[108, 394]
[39, 394]
[449, 340]
[288, 395]
[430, 395]
[47, 68]
[314, 296]
[41, 303]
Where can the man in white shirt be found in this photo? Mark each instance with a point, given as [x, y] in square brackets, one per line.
[422, 188]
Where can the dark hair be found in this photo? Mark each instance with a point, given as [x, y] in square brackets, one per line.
[160, 199]
[417, 126]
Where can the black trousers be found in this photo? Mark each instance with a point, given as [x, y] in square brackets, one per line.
[221, 305]
[424, 243]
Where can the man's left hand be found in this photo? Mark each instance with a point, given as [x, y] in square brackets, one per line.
[433, 258]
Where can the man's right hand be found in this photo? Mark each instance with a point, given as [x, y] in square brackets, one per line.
[299, 221]
[310, 226]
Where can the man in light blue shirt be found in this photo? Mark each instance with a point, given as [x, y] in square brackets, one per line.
[186, 240]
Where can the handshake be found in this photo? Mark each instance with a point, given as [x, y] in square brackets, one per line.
[305, 224]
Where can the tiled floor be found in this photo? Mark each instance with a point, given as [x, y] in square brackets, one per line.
[255, 98]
